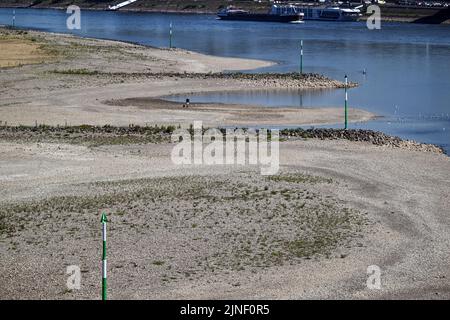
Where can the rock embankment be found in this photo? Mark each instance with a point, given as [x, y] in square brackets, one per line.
[279, 80]
[87, 134]
[374, 137]
[133, 134]
[263, 80]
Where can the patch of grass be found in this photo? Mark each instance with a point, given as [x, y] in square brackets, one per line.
[67, 291]
[6, 226]
[158, 263]
[88, 135]
[18, 50]
[82, 72]
[299, 178]
[120, 212]
[244, 226]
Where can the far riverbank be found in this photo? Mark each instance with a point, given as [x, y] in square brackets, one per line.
[389, 12]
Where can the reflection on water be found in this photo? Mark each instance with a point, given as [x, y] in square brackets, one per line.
[429, 127]
[268, 98]
[435, 131]
[408, 69]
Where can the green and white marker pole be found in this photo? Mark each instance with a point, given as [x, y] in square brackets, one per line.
[301, 56]
[170, 35]
[103, 221]
[346, 103]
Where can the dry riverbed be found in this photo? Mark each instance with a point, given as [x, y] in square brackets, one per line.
[342, 200]
[310, 231]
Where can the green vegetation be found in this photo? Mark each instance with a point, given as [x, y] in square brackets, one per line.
[159, 5]
[299, 178]
[247, 222]
[82, 72]
[87, 134]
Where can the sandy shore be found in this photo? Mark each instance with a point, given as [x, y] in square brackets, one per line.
[198, 231]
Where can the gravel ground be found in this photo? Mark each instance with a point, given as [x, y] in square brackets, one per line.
[335, 208]
[311, 231]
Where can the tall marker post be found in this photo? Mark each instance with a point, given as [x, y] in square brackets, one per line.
[301, 56]
[14, 18]
[103, 221]
[170, 35]
[346, 103]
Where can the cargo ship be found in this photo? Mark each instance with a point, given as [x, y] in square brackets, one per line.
[277, 13]
[330, 13]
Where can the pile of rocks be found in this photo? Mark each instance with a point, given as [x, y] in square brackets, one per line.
[87, 134]
[263, 80]
[147, 134]
[279, 80]
[374, 137]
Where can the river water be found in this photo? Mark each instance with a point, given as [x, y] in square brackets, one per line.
[407, 79]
